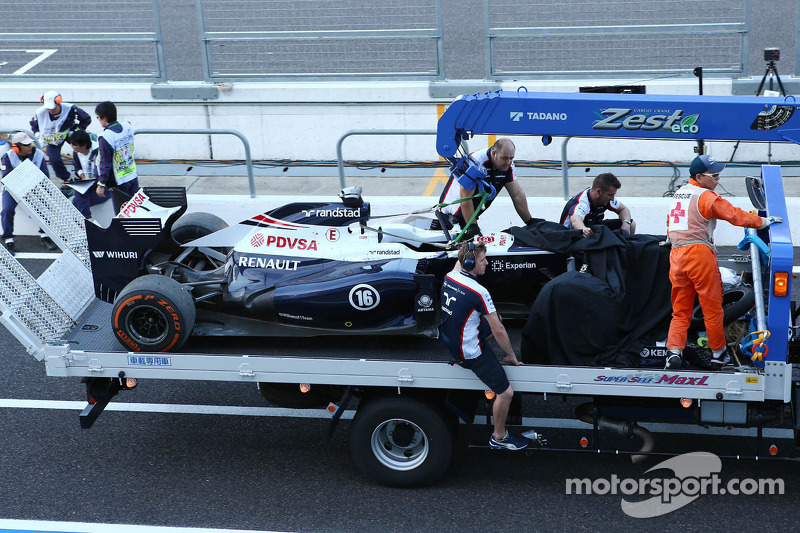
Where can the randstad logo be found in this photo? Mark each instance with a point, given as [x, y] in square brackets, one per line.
[693, 475]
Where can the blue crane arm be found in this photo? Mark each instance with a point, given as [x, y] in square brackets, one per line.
[653, 116]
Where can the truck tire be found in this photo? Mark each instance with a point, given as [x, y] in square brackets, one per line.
[735, 303]
[401, 441]
[153, 313]
[193, 226]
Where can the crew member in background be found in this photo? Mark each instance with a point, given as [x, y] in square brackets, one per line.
[464, 303]
[52, 123]
[693, 268]
[117, 166]
[22, 148]
[498, 162]
[589, 206]
[85, 160]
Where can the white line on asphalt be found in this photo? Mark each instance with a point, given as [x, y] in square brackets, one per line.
[550, 423]
[85, 527]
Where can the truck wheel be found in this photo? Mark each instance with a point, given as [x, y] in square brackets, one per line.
[736, 302]
[153, 313]
[193, 226]
[401, 441]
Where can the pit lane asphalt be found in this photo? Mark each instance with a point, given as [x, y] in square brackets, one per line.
[280, 473]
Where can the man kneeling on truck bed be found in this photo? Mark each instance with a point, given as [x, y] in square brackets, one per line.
[464, 302]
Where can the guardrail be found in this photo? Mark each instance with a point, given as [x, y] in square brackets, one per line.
[340, 161]
[245, 142]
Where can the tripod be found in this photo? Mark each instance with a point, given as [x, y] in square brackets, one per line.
[772, 73]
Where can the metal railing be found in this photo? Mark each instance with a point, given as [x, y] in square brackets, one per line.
[316, 39]
[340, 160]
[245, 142]
[130, 45]
[585, 37]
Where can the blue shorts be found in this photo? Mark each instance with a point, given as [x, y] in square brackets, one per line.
[489, 370]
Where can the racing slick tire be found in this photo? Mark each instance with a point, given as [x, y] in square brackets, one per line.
[193, 226]
[735, 302]
[401, 441]
[153, 313]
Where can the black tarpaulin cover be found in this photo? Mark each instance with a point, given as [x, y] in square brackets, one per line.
[604, 317]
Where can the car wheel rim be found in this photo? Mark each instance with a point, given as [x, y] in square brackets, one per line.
[147, 325]
[399, 444]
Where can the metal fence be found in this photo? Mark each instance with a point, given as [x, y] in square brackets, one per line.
[81, 39]
[624, 37]
[321, 39]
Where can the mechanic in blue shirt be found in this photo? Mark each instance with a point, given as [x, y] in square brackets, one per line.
[589, 206]
[85, 161]
[52, 123]
[464, 303]
[117, 166]
[498, 162]
[22, 148]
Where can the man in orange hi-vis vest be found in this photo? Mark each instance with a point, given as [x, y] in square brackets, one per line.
[693, 268]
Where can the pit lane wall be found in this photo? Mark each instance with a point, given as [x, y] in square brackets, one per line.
[304, 120]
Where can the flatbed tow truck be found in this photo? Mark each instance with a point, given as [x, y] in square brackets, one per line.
[410, 402]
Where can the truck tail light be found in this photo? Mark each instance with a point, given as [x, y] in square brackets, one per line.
[489, 394]
[780, 284]
[305, 387]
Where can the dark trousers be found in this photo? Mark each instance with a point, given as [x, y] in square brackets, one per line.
[7, 215]
[83, 202]
[54, 156]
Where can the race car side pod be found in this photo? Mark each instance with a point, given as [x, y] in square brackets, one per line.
[585, 413]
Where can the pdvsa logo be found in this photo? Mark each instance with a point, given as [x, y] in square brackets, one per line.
[646, 120]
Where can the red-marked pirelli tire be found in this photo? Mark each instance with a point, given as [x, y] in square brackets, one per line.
[153, 313]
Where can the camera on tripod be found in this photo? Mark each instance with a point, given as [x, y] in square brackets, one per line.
[772, 54]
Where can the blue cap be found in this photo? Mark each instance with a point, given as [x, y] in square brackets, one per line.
[705, 163]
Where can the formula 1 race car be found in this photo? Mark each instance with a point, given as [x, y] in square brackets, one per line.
[302, 269]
